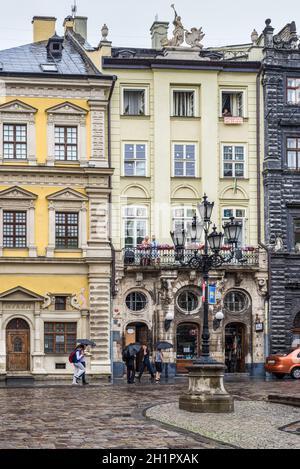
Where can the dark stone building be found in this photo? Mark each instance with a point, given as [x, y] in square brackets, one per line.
[281, 82]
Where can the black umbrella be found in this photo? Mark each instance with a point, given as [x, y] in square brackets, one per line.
[135, 347]
[86, 342]
[163, 345]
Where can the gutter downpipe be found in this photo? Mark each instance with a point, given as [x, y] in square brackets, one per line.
[113, 252]
[260, 242]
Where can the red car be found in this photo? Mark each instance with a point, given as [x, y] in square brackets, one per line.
[281, 365]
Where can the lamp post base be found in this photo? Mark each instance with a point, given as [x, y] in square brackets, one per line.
[206, 392]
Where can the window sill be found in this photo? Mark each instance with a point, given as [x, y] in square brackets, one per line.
[67, 162]
[15, 160]
[186, 177]
[137, 177]
[135, 116]
[232, 178]
[183, 118]
[68, 250]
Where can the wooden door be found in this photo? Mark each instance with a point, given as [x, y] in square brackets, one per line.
[18, 354]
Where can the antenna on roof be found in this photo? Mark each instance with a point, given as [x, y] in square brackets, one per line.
[74, 9]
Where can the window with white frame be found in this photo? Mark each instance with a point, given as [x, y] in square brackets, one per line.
[181, 217]
[293, 90]
[135, 221]
[232, 103]
[66, 141]
[234, 161]
[183, 103]
[15, 141]
[134, 102]
[184, 157]
[239, 215]
[135, 159]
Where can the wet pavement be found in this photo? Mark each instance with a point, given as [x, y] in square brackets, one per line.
[109, 415]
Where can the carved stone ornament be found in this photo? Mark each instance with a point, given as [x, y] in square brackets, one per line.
[79, 302]
[48, 300]
[287, 38]
[278, 244]
[262, 286]
[167, 292]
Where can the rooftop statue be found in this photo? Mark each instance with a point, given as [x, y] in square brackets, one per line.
[192, 38]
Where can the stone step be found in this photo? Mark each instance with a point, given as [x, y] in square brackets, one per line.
[19, 380]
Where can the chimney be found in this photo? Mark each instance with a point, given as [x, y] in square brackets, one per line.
[159, 32]
[68, 23]
[43, 28]
[80, 26]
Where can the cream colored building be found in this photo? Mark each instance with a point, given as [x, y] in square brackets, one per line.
[172, 141]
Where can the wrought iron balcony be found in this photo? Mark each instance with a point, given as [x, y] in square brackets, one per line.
[165, 256]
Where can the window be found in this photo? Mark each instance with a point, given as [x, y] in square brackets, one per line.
[233, 161]
[60, 337]
[235, 302]
[183, 103]
[293, 153]
[49, 67]
[232, 104]
[136, 301]
[134, 102]
[60, 303]
[297, 234]
[15, 141]
[187, 301]
[181, 217]
[293, 90]
[184, 160]
[135, 225]
[66, 143]
[14, 229]
[239, 215]
[66, 230]
[134, 159]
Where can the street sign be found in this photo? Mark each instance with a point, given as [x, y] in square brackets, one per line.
[212, 290]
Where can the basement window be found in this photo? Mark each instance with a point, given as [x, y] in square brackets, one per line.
[49, 68]
[60, 366]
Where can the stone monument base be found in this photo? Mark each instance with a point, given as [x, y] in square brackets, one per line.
[206, 391]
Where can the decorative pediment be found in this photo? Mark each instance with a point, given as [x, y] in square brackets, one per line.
[15, 193]
[67, 109]
[234, 193]
[20, 294]
[17, 106]
[67, 195]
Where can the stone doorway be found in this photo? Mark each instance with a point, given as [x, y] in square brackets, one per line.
[138, 332]
[235, 334]
[18, 346]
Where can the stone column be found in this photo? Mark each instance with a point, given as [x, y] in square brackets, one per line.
[2, 344]
[83, 225]
[51, 229]
[31, 232]
[38, 353]
[100, 312]
[98, 144]
[98, 244]
[167, 324]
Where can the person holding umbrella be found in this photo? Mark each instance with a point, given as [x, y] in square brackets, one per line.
[158, 364]
[145, 362]
[129, 355]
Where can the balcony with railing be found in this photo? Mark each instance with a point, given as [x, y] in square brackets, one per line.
[166, 257]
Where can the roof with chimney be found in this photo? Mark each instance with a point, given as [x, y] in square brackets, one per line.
[37, 59]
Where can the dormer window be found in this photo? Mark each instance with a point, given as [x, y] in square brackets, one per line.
[55, 46]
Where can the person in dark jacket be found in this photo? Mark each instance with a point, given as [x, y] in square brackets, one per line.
[144, 356]
[129, 359]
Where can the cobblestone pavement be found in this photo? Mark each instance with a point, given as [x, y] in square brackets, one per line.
[106, 416]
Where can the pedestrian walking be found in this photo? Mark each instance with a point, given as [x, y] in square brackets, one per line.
[144, 356]
[129, 358]
[77, 358]
[158, 364]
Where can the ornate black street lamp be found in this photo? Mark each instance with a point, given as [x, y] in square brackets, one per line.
[205, 369]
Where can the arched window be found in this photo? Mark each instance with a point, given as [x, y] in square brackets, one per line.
[235, 302]
[187, 301]
[136, 301]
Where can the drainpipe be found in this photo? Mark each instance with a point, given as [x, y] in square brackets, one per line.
[260, 242]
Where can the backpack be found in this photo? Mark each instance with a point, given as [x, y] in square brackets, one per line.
[127, 354]
[72, 357]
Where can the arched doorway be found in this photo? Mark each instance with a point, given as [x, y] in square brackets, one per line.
[235, 334]
[137, 332]
[18, 345]
[296, 332]
[187, 345]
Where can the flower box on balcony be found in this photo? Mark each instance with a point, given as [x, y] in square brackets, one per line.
[226, 248]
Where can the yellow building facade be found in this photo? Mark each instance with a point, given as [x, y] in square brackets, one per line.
[55, 175]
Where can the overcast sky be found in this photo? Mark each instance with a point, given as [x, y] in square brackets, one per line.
[129, 21]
